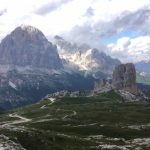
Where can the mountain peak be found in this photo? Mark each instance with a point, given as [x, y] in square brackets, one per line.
[27, 46]
[29, 28]
[124, 77]
[83, 57]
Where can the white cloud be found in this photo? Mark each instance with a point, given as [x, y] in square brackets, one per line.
[55, 22]
[120, 45]
[107, 9]
[51, 6]
[68, 15]
[134, 49]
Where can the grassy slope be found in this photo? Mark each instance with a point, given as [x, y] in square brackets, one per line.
[72, 123]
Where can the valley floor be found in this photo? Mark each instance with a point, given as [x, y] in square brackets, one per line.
[101, 122]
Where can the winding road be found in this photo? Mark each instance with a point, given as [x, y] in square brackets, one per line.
[13, 122]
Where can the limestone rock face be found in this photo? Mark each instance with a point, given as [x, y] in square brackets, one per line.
[124, 77]
[27, 46]
[82, 57]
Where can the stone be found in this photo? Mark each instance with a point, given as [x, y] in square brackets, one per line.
[124, 78]
[26, 46]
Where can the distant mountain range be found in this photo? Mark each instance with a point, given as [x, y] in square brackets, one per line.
[31, 66]
[143, 66]
[143, 73]
[83, 58]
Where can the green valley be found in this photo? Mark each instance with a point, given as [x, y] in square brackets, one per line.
[103, 121]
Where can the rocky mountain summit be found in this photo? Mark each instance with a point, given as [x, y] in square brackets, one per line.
[84, 58]
[27, 47]
[124, 77]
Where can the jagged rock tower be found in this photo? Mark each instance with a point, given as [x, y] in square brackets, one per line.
[124, 78]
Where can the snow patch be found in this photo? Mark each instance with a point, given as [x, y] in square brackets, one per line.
[11, 84]
[42, 107]
[52, 99]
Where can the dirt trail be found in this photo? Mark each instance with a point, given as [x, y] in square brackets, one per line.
[21, 120]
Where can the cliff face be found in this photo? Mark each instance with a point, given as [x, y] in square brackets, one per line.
[27, 46]
[28, 62]
[124, 77]
[82, 57]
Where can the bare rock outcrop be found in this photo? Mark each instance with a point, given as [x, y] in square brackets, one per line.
[124, 78]
[26, 46]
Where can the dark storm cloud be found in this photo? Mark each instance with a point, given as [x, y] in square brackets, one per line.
[2, 12]
[49, 7]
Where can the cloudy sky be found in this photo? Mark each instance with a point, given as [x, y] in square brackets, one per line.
[121, 28]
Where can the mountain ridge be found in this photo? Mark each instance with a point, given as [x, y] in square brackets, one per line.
[82, 57]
